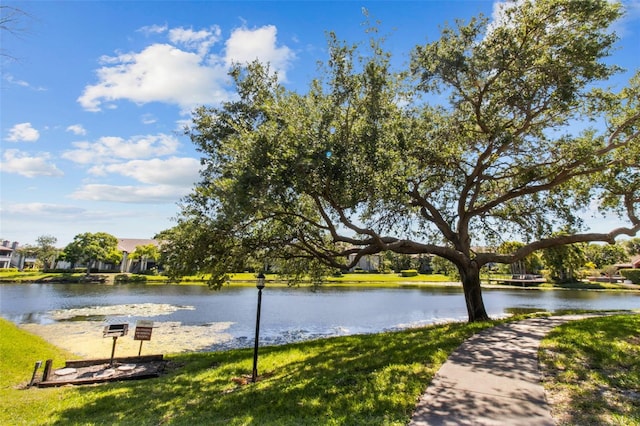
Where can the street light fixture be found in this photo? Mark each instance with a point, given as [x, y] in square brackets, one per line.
[260, 286]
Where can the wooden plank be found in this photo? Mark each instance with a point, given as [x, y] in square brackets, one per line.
[125, 360]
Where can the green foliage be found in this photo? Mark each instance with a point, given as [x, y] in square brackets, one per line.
[364, 162]
[90, 248]
[46, 251]
[149, 251]
[605, 255]
[594, 365]
[531, 264]
[129, 279]
[398, 262]
[296, 270]
[632, 246]
[409, 273]
[564, 262]
[632, 275]
[198, 246]
[441, 265]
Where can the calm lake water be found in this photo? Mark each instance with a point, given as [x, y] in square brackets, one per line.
[290, 314]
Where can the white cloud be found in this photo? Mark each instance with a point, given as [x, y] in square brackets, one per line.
[11, 79]
[184, 72]
[25, 222]
[77, 129]
[200, 41]
[160, 73]
[172, 171]
[111, 149]
[152, 194]
[15, 161]
[153, 29]
[22, 83]
[245, 45]
[148, 119]
[23, 132]
[40, 209]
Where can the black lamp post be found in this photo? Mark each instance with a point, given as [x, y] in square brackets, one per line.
[260, 286]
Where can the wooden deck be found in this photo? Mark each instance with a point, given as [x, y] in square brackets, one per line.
[615, 279]
[522, 280]
[84, 372]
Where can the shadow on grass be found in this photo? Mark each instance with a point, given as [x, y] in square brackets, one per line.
[370, 379]
[594, 364]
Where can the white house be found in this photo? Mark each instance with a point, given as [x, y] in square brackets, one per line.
[128, 246]
[6, 252]
[10, 257]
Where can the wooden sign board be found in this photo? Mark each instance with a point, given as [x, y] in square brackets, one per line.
[143, 330]
[115, 330]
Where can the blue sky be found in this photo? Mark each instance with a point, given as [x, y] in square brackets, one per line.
[93, 101]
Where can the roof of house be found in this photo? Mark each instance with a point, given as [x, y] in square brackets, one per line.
[129, 244]
[634, 263]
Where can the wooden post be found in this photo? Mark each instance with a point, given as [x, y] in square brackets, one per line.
[35, 371]
[47, 370]
[113, 349]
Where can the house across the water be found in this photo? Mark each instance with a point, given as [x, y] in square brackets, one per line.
[10, 257]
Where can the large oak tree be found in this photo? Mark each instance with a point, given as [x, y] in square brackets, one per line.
[371, 159]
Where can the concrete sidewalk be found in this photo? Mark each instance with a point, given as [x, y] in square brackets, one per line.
[491, 379]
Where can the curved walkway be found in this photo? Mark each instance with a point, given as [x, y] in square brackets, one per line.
[491, 379]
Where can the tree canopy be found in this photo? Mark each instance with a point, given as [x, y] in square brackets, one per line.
[92, 247]
[606, 255]
[46, 250]
[146, 251]
[371, 159]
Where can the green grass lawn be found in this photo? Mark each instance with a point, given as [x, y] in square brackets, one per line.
[354, 278]
[241, 278]
[359, 380]
[19, 351]
[32, 275]
[354, 380]
[592, 371]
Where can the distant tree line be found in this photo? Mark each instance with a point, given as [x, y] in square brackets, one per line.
[563, 263]
[86, 250]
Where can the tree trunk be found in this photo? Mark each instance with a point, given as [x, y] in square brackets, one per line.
[470, 275]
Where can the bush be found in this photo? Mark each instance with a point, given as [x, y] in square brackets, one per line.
[632, 275]
[409, 273]
[124, 279]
